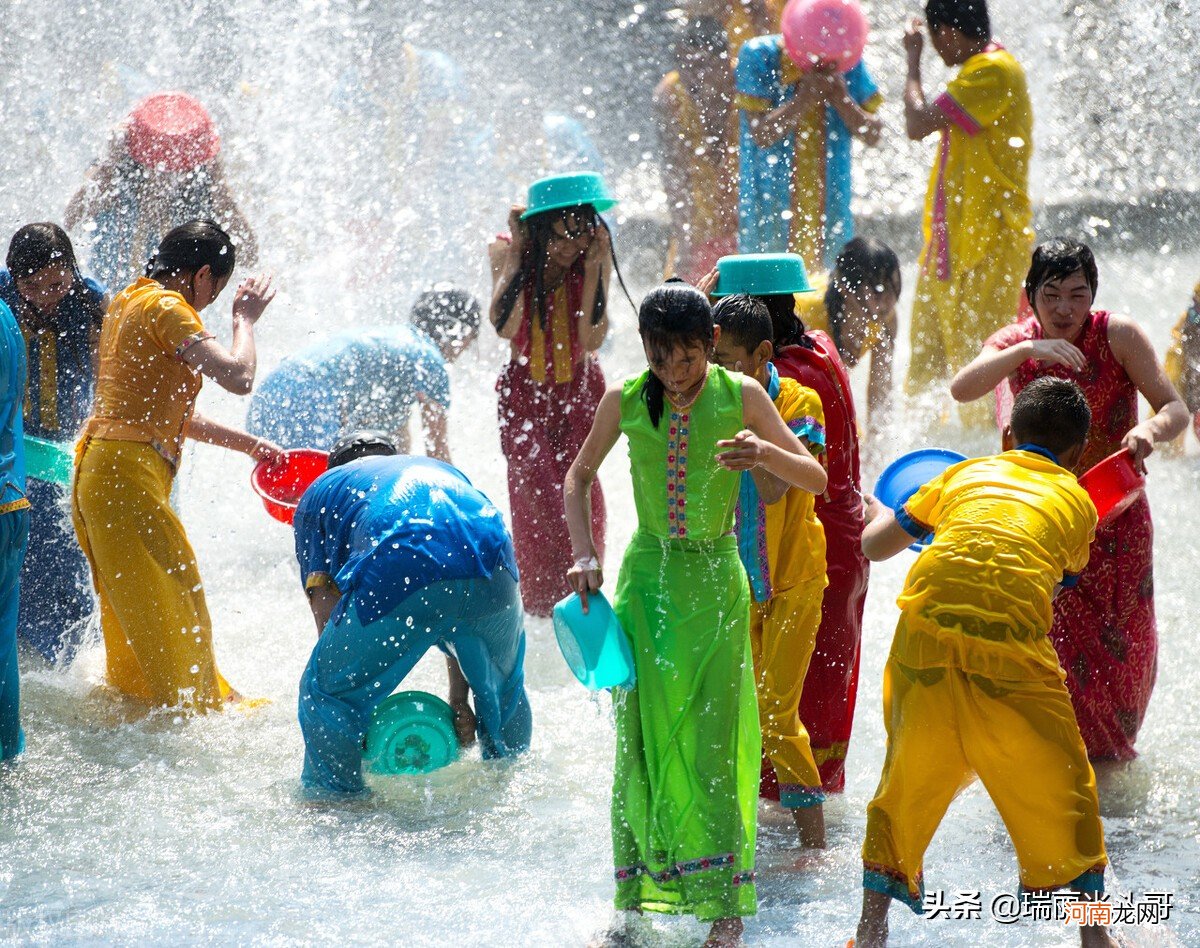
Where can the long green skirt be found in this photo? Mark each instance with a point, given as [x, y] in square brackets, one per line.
[685, 784]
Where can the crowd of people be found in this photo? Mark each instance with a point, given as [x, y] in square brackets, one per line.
[1027, 628]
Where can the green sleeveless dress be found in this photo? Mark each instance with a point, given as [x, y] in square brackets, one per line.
[685, 784]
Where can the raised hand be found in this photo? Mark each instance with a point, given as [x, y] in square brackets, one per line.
[746, 451]
[1058, 352]
[253, 296]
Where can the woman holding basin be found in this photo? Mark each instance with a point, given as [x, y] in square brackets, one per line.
[1104, 629]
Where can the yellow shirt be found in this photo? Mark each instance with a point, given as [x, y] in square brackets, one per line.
[144, 390]
[979, 189]
[783, 544]
[1009, 528]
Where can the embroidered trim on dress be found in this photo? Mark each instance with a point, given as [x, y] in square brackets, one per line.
[680, 869]
[677, 447]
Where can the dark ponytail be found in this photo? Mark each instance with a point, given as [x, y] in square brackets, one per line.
[191, 246]
[673, 316]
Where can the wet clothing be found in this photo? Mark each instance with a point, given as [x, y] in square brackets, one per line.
[685, 783]
[548, 398]
[420, 558]
[157, 629]
[972, 686]
[55, 592]
[977, 223]
[14, 526]
[353, 380]
[827, 701]
[795, 195]
[1104, 631]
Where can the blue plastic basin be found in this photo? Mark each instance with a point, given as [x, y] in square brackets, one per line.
[909, 473]
[595, 646]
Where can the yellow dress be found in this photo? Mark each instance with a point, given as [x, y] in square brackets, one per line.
[978, 237]
[157, 631]
[973, 687]
[782, 546]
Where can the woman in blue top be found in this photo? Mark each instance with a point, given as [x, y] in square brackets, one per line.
[59, 312]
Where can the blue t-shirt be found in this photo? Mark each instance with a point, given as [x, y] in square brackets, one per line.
[381, 528]
[12, 395]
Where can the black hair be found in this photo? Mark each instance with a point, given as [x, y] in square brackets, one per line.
[969, 17]
[787, 328]
[744, 320]
[445, 310]
[672, 316]
[43, 244]
[1052, 413]
[361, 444]
[864, 261]
[190, 246]
[539, 231]
[1056, 259]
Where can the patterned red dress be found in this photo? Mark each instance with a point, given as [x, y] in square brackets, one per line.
[1104, 628]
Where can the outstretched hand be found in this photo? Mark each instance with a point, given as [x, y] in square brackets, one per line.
[708, 283]
[269, 451]
[253, 296]
[746, 451]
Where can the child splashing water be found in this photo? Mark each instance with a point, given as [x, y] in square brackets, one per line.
[685, 782]
[782, 546]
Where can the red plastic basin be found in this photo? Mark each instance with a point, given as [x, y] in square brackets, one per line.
[282, 484]
[1113, 484]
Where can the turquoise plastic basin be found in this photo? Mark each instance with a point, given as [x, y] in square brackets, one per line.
[761, 274]
[411, 732]
[595, 646]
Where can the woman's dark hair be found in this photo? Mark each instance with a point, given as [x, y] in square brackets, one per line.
[744, 320]
[787, 326]
[445, 310]
[864, 261]
[1052, 413]
[190, 246]
[969, 17]
[539, 232]
[44, 244]
[673, 316]
[1057, 259]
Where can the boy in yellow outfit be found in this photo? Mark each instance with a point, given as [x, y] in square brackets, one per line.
[973, 685]
[782, 546]
[978, 237]
[1183, 361]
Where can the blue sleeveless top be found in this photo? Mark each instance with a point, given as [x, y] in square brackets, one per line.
[61, 379]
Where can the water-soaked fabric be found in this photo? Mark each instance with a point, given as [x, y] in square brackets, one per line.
[827, 701]
[944, 728]
[14, 534]
[685, 782]
[356, 665]
[1105, 631]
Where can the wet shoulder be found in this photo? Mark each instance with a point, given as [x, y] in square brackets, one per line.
[723, 391]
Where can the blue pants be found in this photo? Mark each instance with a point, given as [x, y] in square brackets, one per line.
[355, 667]
[14, 534]
[56, 593]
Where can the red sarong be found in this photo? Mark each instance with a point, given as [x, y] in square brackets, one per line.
[1104, 629]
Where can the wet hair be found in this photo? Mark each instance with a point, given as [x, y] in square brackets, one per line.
[35, 247]
[744, 320]
[193, 245]
[365, 443]
[1057, 259]
[787, 328]
[864, 261]
[446, 311]
[539, 233]
[673, 316]
[1052, 413]
[969, 17]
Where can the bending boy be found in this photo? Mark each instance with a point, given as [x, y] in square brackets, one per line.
[973, 685]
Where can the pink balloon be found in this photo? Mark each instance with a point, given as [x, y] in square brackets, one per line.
[824, 32]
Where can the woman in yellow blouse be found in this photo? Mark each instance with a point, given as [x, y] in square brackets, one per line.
[154, 350]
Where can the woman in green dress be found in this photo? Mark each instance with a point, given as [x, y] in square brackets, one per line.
[685, 783]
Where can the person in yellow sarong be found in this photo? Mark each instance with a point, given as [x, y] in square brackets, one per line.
[153, 351]
[698, 129]
[1182, 362]
[977, 221]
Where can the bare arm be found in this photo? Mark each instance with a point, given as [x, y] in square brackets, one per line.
[459, 690]
[1133, 350]
[322, 600]
[769, 442]
[920, 118]
[883, 536]
[766, 128]
[234, 368]
[208, 431]
[433, 421]
[505, 258]
[585, 576]
[992, 366]
[862, 124]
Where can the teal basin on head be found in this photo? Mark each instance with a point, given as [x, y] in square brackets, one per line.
[568, 190]
[761, 274]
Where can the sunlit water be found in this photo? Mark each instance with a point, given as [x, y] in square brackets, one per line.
[167, 830]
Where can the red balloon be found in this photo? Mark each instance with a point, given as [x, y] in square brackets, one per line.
[825, 33]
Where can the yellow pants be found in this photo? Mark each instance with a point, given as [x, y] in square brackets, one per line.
[783, 632]
[157, 632]
[952, 318]
[944, 727]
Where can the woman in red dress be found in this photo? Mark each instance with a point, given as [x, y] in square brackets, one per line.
[1104, 628]
[550, 295]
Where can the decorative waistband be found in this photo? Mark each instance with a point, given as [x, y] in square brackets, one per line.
[645, 540]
